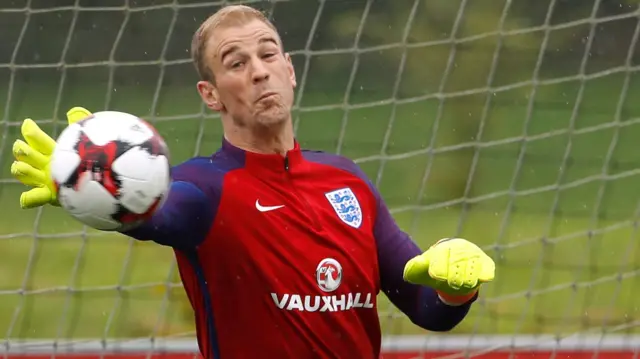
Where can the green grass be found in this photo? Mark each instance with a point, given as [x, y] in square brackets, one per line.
[539, 252]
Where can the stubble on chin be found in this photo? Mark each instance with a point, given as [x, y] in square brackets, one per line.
[271, 112]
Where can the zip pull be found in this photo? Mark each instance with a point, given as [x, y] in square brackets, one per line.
[286, 163]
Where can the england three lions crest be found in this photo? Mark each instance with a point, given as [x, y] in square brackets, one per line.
[346, 205]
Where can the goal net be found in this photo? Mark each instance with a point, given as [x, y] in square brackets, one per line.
[514, 124]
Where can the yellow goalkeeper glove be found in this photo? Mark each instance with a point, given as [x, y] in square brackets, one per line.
[31, 166]
[454, 267]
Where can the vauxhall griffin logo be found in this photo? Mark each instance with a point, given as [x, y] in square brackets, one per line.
[328, 278]
[329, 274]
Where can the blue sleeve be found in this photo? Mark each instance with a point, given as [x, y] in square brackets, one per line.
[421, 304]
[182, 222]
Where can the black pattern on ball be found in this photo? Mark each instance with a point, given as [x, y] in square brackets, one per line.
[96, 161]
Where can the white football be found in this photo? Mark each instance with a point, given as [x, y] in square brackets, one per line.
[111, 170]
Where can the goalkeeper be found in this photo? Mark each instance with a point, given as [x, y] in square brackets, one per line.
[281, 251]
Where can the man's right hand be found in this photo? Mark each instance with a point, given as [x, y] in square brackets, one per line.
[33, 157]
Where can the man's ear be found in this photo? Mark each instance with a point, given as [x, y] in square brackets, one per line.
[292, 72]
[209, 94]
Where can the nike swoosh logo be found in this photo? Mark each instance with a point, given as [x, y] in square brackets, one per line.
[266, 208]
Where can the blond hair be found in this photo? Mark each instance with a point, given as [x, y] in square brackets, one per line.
[231, 15]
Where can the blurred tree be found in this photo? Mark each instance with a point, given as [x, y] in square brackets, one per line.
[454, 50]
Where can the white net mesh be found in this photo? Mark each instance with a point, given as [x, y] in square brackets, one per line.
[510, 123]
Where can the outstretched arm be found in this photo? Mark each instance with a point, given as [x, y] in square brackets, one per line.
[183, 221]
[421, 304]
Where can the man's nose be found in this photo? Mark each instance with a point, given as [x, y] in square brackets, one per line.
[260, 72]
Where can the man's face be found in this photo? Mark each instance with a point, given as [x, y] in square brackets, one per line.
[254, 79]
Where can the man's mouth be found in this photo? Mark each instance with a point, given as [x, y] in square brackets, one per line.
[266, 95]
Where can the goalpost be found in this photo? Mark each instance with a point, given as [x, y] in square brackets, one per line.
[512, 123]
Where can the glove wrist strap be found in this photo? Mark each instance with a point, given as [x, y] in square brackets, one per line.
[456, 300]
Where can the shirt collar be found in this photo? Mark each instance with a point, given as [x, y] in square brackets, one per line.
[261, 162]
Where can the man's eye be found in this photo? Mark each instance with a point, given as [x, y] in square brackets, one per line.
[269, 54]
[236, 64]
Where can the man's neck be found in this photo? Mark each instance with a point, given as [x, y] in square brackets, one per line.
[263, 141]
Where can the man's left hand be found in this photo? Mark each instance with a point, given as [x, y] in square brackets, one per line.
[454, 267]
